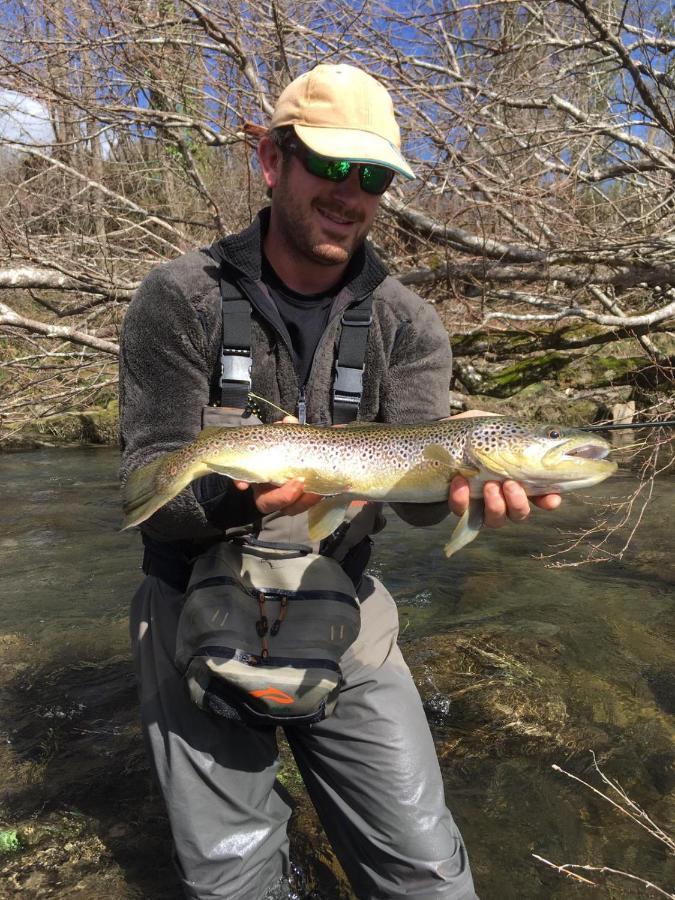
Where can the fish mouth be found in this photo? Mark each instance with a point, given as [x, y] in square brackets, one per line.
[588, 451]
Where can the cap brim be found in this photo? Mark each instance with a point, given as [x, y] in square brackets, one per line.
[355, 146]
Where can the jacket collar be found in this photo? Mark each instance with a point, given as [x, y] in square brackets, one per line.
[243, 253]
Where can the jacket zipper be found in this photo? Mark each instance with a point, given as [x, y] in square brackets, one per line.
[302, 405]
[302, 402]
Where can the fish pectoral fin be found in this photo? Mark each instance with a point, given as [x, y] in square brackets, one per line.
[318, 482]
[438, 454]
[327, 515]
[468, 527]
[491, 464]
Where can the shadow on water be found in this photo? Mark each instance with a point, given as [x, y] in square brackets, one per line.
[519, 666]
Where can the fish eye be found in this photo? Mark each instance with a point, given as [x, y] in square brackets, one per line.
[554, 434]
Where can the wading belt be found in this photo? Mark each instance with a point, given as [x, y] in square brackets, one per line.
[234, 381]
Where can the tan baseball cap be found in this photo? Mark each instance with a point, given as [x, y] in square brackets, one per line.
[344, 113]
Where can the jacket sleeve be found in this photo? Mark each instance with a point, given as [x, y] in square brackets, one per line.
[416, 388]
[165, 373]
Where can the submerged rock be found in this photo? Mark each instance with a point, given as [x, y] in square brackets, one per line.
[487, 695]
[661, 682]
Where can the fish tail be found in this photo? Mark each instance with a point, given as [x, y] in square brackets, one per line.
[151, 486]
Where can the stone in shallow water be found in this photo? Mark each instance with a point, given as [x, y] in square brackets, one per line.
[437, 709]
[661, 683]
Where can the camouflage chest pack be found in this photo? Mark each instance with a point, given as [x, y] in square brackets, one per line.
[262, 632]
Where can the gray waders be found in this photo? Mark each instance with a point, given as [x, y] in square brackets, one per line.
[370, 769]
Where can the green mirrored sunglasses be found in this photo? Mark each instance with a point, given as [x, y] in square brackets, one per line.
[373, 179]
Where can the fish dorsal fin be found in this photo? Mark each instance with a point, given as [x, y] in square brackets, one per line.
[437, 453]
[327, 515]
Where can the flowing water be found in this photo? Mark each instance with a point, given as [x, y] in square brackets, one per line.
[521, 667]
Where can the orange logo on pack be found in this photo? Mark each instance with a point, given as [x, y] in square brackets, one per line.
[272, 693]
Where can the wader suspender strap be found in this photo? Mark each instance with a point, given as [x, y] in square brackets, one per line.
[348, 382]
[235, 358]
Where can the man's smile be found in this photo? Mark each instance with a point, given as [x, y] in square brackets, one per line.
[336, 218]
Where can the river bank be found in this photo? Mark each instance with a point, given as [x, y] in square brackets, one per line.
[559, 376]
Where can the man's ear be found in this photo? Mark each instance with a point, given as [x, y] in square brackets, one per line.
[270, 157]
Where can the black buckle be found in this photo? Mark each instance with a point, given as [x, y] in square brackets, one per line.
[358, 322]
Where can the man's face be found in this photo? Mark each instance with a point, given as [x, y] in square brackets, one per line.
[323, 221]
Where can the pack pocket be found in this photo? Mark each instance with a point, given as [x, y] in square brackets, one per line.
[262, 632]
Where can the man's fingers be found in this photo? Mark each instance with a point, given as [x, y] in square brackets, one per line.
[495, 505]
[547, 501]
[517, 502]
[302, 504]
[270, 498]
[458, 498]
[290, 498]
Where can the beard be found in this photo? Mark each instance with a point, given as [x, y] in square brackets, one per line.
[303, 234]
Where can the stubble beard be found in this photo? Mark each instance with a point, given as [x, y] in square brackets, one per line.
[299, 236]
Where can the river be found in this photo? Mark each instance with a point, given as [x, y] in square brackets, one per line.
[521, 667]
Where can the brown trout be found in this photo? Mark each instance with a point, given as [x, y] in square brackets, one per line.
[369, 461]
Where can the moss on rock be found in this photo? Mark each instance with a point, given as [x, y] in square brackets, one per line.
[98, 425]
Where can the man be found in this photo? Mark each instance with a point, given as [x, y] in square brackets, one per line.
[370, 767]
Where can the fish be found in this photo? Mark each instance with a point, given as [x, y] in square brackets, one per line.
[371, 461]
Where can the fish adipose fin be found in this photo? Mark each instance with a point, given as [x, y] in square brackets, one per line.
[468, 527]
[327, 515]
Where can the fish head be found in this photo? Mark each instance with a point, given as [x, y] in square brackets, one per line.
[543, 457]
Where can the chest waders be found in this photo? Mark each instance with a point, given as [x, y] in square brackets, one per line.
[267, 617]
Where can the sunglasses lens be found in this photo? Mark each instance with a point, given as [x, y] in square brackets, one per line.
[332, 169]
[375, 179]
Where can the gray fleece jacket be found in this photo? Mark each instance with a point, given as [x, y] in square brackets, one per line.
[170, 354]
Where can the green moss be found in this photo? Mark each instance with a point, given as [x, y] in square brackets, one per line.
[561, 370]
[10, 841]
[99, 425]
[512, 379]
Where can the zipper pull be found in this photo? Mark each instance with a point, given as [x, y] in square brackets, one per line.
[302, 407]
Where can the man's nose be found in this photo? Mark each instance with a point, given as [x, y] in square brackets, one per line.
[351, 186]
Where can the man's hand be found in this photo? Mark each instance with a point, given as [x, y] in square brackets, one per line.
[290, 499]
[503, 501]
